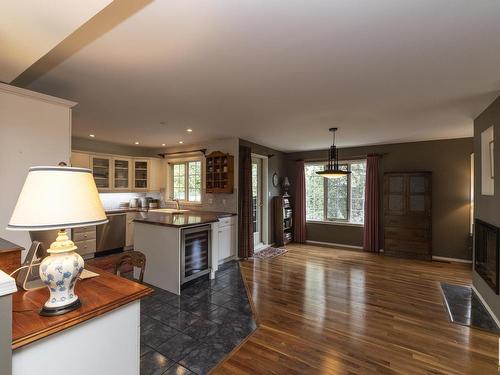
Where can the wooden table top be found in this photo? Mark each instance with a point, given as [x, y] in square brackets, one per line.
[7, 246]
[98, 295]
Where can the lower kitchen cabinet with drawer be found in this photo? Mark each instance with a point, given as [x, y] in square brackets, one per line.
[85, 239]
[226, 239]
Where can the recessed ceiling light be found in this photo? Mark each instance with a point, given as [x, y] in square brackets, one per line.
[163, 144]
[189, 130]
[181, 142]
[92, 135]
[136, 143]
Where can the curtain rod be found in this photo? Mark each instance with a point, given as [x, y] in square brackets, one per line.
[201, 150]
[354, 157]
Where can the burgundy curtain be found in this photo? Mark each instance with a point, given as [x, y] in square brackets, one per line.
[371, 231]
[245, 225]
[300, 203]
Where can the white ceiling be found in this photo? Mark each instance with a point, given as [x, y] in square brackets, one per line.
[31, 28]
[281, 72]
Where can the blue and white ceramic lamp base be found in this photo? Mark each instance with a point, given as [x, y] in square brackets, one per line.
[59, 272]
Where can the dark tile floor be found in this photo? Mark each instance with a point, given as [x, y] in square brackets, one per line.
[465, 308]
[191, 333]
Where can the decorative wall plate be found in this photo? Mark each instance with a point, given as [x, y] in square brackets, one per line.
[276, 180]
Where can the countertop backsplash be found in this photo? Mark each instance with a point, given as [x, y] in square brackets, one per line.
[112, 201]
[211, 202]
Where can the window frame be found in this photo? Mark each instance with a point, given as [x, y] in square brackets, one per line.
[346, 222]
[170, 180]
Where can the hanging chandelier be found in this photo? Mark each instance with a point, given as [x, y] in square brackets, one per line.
[332, 169]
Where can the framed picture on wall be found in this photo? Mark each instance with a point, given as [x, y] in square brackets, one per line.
[492, 162]
[487, 162]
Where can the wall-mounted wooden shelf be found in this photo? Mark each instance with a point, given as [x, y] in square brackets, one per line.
[219, 174]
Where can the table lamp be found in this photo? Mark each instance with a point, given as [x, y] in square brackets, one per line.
[286, 186]
[59, 198]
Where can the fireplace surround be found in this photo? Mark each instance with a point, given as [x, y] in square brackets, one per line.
[486, 246]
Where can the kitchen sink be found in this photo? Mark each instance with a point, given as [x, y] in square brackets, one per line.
[169, 210]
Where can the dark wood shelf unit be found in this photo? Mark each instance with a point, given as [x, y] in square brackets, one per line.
[219, 174]
[283, 221]
[408, 215]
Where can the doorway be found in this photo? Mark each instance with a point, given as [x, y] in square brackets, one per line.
[259, 201]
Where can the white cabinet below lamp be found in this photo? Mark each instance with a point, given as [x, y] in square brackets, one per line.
[226, 239]
[85, 239]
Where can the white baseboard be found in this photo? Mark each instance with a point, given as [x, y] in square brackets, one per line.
[457, 260]
[331, 244]
[497, 321]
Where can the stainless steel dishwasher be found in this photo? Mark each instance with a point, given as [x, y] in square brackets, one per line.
[111, 236]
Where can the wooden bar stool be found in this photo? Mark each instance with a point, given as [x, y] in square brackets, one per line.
[134, 259]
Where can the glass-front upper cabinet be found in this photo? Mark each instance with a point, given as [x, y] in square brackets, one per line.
[101, 170]
[121, 175]
[141, 174]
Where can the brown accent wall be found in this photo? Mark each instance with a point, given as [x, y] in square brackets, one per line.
[487, 208]
[449, 161]
[276, 163]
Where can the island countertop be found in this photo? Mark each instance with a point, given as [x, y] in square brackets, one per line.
[99, 295]
[180, 220]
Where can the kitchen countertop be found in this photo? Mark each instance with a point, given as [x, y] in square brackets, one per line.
[99, 295]
[184, 219]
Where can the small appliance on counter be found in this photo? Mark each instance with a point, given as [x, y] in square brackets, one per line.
[144, 202]
[134, 203]
[153, 204]
[124, 205]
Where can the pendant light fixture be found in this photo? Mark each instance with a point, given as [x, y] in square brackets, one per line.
[332, 169]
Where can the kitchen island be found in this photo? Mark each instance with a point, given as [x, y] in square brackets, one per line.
[181, 245]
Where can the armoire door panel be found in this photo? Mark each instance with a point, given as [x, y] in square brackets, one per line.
[408, 214]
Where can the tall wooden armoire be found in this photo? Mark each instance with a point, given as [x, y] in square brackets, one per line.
[408, 215]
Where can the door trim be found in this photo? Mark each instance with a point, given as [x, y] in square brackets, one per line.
[265, 198]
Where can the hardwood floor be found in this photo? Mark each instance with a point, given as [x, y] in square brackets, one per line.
[327, 311]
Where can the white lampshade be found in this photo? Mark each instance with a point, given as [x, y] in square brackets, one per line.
[57, 198]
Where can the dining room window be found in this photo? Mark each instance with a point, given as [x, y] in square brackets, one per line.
[336, 199]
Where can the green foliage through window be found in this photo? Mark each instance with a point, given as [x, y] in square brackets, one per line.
[186, 181]
[336, 199]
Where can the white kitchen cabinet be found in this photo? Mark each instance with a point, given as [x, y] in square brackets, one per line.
[129, 231]
[80, 160]
[157, 175]
[141, 174]
[224, 242]
[85, 239]
[118, 173]
[102, 171]
[226, 239]
[122, 173]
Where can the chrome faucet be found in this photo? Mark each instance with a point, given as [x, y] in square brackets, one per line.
[176, 202]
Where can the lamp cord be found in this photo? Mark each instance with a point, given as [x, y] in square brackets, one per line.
[20, 268]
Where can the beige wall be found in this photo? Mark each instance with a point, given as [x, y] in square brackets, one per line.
[35, 129]
[213, 202]
[487, 208]
[449, 161]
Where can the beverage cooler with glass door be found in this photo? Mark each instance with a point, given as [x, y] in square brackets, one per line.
[196, 252]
